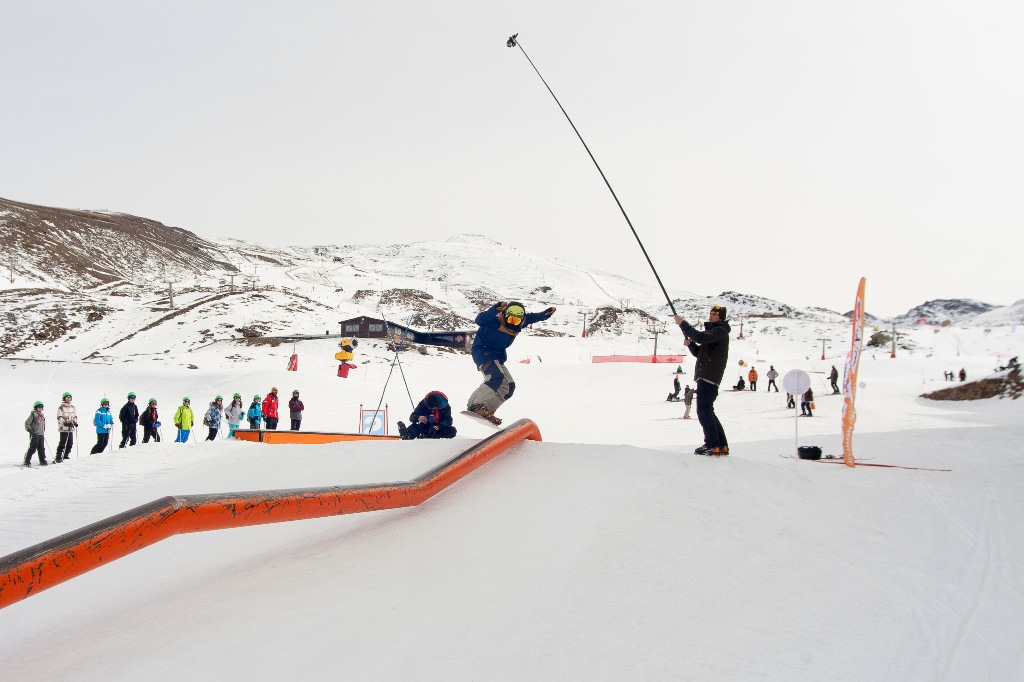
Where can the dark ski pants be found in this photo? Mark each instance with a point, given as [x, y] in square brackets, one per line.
[128, 433]
[835, 387]
[771, 382]
[149, 432]
[67, 439]
[213, 434]
[418, 430]
[753, 385]
[714, 434]
[101, 443]
[296, 423]
[271, 423]
[255, 426]
[36, 444]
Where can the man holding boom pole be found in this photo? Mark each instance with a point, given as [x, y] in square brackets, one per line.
[711, 347]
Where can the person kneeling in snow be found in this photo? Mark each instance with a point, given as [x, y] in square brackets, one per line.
[432, 418]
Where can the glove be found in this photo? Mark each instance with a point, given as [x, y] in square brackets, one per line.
[549, 312]
[501, 305]
[157, 425]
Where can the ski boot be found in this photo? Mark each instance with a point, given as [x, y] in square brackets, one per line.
[404, 432]
[485, 413]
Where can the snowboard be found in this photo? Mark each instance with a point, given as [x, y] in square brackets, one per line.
[480, 420]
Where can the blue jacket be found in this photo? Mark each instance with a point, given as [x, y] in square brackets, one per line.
[213, 416]
[255, 413]
[494, 336]
[103, 420]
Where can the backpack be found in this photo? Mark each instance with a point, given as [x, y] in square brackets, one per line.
[206, 421]
[809, 452]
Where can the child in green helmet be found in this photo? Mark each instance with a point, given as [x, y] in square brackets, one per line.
[67, 424]
[234, 413]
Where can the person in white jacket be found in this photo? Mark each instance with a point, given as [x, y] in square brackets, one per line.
[67, 424]
[234, 413]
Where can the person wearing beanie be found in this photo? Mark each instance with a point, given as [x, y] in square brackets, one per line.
[67, 424]
[129, 418]
[104, 423]
[711, 347]
[295, 408]
[36, 427]
[432, 418]
[270, 405]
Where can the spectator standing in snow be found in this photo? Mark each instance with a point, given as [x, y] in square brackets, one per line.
[711, 347]
[270, 406]
[183, 420]
[129, 418]
[234, 413]
[36, 427]
[790, 401]
[833, 376]
[67, 423]
[103, 420]
[687, 400]
[772, 376]
[499, 326]
[255, 413]
[752, 378]
[432, 418]
[150, 420]
[805, 403]
[212, 418]
[295, 408]
[963, 374]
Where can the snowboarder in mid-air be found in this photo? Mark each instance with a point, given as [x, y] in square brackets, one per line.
[499, 326]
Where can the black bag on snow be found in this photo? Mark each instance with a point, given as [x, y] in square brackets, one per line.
[809, 452]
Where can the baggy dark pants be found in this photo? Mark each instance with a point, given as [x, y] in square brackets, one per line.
[714, 434]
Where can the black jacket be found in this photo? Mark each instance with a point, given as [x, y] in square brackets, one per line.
[435, 417]
[129, 413]
[711, 348]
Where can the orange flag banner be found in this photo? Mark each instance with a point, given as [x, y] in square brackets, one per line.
[850, 376]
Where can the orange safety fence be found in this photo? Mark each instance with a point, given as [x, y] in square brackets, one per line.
[50, 563]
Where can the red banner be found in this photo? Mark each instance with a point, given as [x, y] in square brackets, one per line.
[638, 358]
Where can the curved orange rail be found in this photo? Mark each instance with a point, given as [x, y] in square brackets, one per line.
[50, 563]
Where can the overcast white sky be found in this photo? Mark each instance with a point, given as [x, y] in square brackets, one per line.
[778, 148]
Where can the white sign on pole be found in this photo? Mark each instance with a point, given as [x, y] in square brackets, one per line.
[796, 382]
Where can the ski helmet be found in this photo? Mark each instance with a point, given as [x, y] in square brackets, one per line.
[38, 404]
[105, 401]
[185, 400]
[514, 314]
[66, 395]
[255, 397]
[217, 399]
[151, 401]
[131, 395]
[237, 395]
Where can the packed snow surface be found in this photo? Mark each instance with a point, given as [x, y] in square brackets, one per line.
[606, 552]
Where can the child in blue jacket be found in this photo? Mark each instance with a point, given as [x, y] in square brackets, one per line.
[104, 423]
[255, 413]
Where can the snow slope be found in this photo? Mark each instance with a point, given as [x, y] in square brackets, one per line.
[606, 552]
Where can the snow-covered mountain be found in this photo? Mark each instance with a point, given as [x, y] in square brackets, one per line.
[75, 276]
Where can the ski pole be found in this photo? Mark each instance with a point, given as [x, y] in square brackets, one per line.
[514, 42]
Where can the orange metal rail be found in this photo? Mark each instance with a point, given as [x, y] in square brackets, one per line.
[50, 563]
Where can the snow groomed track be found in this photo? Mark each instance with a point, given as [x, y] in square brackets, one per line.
[50, 563]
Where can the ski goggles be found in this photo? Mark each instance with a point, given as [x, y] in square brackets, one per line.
[514, 320]
[717, 310]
